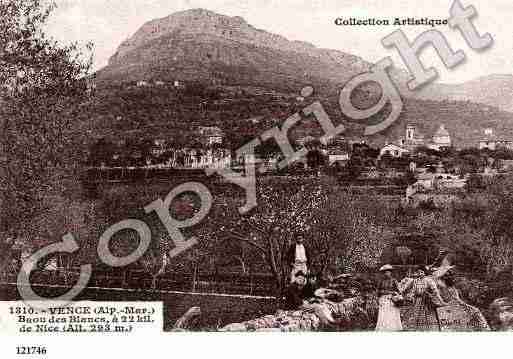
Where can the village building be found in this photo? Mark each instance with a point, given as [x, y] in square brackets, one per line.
[440, 188]
[211, 135]
[393, 150]
[339, 144]
[192, 158]
[255, 120]
[159, 147]
[439, 199]
[505, 165]
[219, 158]
[491, 142]
[413, 139]
[338, 157]
[142, 84]
[336, 149]
[441, 139]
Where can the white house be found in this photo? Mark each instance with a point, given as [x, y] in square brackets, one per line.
[440, 188]
[159, 147]
[340, 157]
[434, 181]
[393, 150]
[211, 135]
[492, 142]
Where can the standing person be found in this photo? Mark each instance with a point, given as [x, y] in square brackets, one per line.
[298, 257]
[389, 316]
[422, 315]
[25, 256]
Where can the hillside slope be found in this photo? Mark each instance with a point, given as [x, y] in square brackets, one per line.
[221, 52]
[493, 90]
[202, 45]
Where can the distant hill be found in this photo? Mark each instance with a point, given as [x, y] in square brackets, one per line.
[163, 112]
[493, 90]
[464, 120]
[221, 52]
[202, 45]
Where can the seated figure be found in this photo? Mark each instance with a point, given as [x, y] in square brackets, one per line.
[458, 315]
[298, 291]
[326, 309]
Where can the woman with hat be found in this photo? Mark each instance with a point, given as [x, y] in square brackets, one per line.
[389, 316]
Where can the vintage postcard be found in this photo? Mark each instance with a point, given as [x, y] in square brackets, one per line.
[254, 166]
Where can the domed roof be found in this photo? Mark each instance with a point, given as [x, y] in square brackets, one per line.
[442, 132]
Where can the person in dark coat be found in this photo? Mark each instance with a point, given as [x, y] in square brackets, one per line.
[297, 292]
[298, 258]
[312, 284]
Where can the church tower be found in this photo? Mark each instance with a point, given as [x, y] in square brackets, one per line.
[410, 133]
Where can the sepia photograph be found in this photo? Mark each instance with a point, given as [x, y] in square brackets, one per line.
[243, 166]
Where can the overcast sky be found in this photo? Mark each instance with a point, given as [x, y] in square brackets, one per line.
[108, 22]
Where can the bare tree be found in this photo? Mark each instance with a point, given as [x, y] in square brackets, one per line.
[270, 228]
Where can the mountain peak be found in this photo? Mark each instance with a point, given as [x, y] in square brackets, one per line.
[197, 11]
[199, 44]
[495, 77]
[205, 15]
[202, 22]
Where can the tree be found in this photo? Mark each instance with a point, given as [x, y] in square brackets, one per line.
[101, 151]
[474, 183]
[43, 89]
[410, 178]
[268, 149]
[335, 226]
[195, 89]
[476, 230]
[503, 154]
[282, 212]
[348, 233]
[403, 253]
[316, 159]
[354, 168]
[424, 150]
[156, 260]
